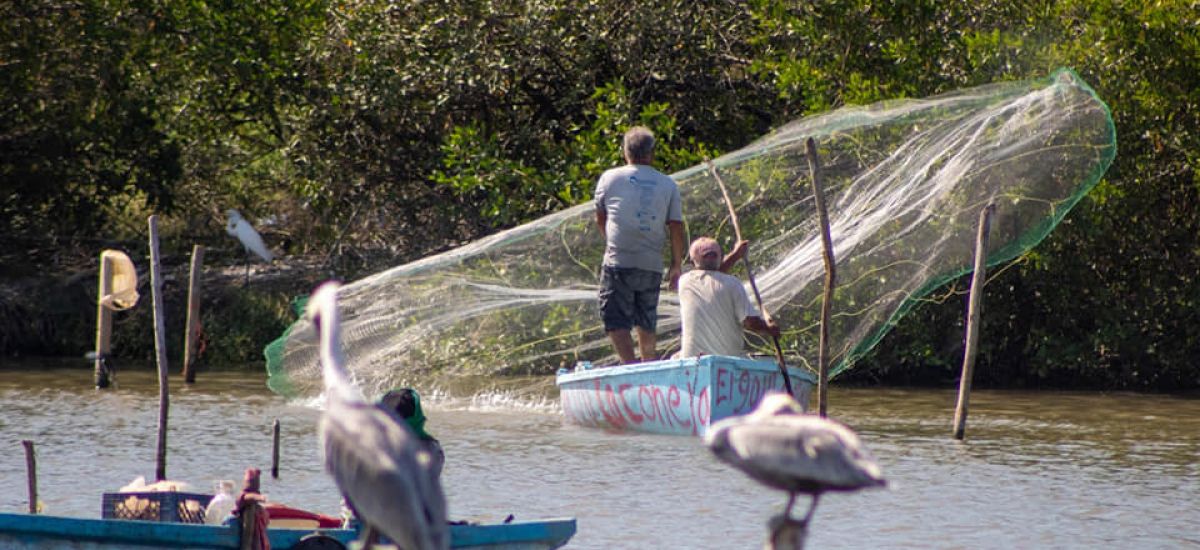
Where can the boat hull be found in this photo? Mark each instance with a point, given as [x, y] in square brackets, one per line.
[674, 396]
[40, 532]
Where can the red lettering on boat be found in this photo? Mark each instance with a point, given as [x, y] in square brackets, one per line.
[633, 416]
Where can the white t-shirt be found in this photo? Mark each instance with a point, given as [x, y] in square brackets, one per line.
[712, 306]
[639, 201]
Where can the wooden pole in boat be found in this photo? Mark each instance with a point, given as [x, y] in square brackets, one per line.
[193, 316]
[103, 323]
[973, 306]
[737, 230]
[275, 450]
[31, 474]
[160, 347]
[250, 533]
[814, 168]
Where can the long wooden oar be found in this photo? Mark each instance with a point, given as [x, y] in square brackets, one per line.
[737, 230]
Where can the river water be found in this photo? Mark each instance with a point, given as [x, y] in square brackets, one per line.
[1038, 469]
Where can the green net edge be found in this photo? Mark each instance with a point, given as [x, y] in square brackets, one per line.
[278, 380]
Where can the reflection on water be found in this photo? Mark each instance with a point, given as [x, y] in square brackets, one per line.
[1046, 470]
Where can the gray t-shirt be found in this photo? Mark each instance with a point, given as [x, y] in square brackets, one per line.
[639, 201]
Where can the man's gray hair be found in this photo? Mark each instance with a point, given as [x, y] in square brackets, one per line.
[639, 145]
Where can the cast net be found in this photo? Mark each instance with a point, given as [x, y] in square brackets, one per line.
[904, 182]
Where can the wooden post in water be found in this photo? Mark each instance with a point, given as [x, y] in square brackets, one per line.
[103, 323]
[977, 279]
[275, 450]
[31, 473]
[160, 348]
[193, 316]
[814, 168]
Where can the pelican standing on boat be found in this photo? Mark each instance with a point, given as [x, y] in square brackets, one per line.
[379, 465]
[783, 448]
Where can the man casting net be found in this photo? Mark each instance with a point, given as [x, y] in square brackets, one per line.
[904, 183]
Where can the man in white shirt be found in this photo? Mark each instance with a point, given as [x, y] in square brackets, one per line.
[713, 306]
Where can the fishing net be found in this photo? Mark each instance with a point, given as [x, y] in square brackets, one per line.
[904, 182]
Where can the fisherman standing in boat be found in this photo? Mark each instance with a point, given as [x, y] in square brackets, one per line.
[636, 207]
[713, 305]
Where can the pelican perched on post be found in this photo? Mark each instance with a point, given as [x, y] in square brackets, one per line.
[782, 448]
[379, 465]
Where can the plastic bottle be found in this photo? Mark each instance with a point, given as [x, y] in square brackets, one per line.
[221, 504]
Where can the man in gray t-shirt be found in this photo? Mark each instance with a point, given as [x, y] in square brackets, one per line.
[636, 208]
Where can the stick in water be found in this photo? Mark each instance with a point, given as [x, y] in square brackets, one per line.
[160, 347]
[275, 450]
[973, 308]
[737, 230]
[31, 475]
[814, 169]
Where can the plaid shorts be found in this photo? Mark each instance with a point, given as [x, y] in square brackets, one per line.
[629, 297]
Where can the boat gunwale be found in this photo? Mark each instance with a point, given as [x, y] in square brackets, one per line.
[707, 361]
[554, 532]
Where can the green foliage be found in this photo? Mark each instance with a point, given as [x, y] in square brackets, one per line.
[479, 168]
[384, 131]
[78, 135]
[242, 322]
[476, 166]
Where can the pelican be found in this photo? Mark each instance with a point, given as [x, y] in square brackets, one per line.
[782, 448]
[375, 459]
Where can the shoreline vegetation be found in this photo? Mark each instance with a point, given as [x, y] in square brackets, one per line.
[356, 137]
[53, 317]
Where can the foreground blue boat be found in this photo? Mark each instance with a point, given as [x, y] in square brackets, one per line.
[673, 396]
[29, 532]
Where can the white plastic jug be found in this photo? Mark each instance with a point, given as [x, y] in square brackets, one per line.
[221, 504]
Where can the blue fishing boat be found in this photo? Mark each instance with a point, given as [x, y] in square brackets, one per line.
[41, 532]
[672, 396]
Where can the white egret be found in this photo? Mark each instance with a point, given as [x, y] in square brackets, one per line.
[783, 448]
[374, 458]
[237, 226]
[252, 242]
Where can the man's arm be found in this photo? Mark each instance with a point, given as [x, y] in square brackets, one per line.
[598, 197]
[675, 228]
[757, 324]
[602, 221]
[739, 250]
